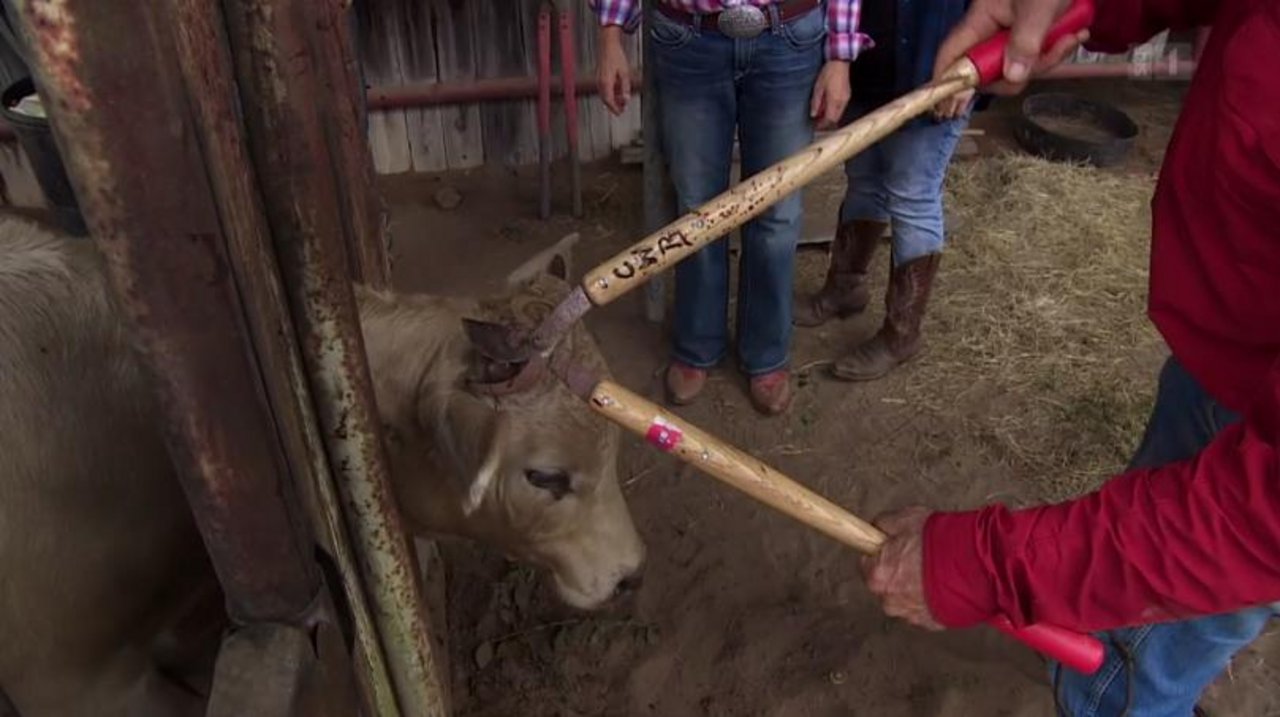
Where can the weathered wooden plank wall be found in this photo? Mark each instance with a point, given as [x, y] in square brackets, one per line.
[426, 41]
[456, 61]
[381, 42]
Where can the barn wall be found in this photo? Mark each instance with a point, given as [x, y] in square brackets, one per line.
[426, 41]
[412, 41]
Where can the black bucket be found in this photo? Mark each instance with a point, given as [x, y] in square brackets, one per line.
[36, 137]
[1094, 133]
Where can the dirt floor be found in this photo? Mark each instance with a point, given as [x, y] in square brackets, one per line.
[744, 612]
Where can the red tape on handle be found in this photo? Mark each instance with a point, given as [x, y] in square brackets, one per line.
[988, 56]
[1082, 653]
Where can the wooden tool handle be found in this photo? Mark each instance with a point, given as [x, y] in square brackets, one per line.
[666, 247]
[752, 476]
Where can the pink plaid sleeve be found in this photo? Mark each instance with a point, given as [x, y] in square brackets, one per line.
[844, 42]
[618, 12]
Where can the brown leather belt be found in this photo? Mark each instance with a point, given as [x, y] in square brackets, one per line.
[788, 10]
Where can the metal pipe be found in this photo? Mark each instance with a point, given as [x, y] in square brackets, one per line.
[167, 256]
[172, 257]
[487, 90]
[364, 210]
[544, 110]
[569, 71]
[286, 99]
[518, 88]
[1168, 69]
[208, 67]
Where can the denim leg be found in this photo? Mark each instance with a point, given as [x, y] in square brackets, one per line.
[915, 162]
[1161, 670]
[774, 88]
[1183, 421]
[695, 77]
[865, 198]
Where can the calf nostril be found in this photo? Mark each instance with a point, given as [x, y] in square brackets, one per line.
[629, 584]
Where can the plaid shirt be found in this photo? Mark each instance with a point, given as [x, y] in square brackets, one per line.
[844, 42]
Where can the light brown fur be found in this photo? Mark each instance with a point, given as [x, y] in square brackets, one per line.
[97, 545]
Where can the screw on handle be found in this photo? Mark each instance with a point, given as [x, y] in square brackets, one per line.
[988, 56]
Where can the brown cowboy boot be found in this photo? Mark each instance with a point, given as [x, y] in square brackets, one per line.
[845, 291]
[899, 338]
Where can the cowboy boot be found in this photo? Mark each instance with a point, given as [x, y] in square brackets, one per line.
[898, 340]
[844, 293]
[771, 393]
[684, 383]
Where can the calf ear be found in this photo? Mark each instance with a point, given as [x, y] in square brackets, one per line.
[470, 433]
[554, 261]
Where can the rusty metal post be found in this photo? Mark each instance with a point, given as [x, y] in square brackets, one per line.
[168, 259]
[287, 91]
[149, 200]
[342, 108]
[206, 62]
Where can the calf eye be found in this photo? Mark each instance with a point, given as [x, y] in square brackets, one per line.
[555, 482]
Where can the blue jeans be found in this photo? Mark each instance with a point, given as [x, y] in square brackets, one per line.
[899, 180]
[711, 85]
[1161, 670]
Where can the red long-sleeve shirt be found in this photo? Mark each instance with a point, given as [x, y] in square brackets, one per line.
[1200, 536]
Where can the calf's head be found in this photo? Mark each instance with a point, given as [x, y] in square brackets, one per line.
[532, 473]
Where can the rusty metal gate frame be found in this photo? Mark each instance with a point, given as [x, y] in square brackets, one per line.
[219, 160]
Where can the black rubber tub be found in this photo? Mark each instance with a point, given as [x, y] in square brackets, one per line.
[1067, 128]
[36, 137]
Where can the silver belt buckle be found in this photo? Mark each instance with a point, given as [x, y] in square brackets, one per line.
[742, 21]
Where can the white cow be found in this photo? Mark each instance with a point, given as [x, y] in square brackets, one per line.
[97, 545]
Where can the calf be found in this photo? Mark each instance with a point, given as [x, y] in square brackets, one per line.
[97, 546]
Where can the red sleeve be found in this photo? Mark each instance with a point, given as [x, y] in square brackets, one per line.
[1191, 538]
[1120, 24]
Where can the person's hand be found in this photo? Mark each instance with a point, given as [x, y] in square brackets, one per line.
[895, 575]
[1028, 22]
[613, 72]
[830, 94]
[953, 107]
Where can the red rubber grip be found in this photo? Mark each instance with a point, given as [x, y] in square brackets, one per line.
[988, 56]
[1082, 653]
